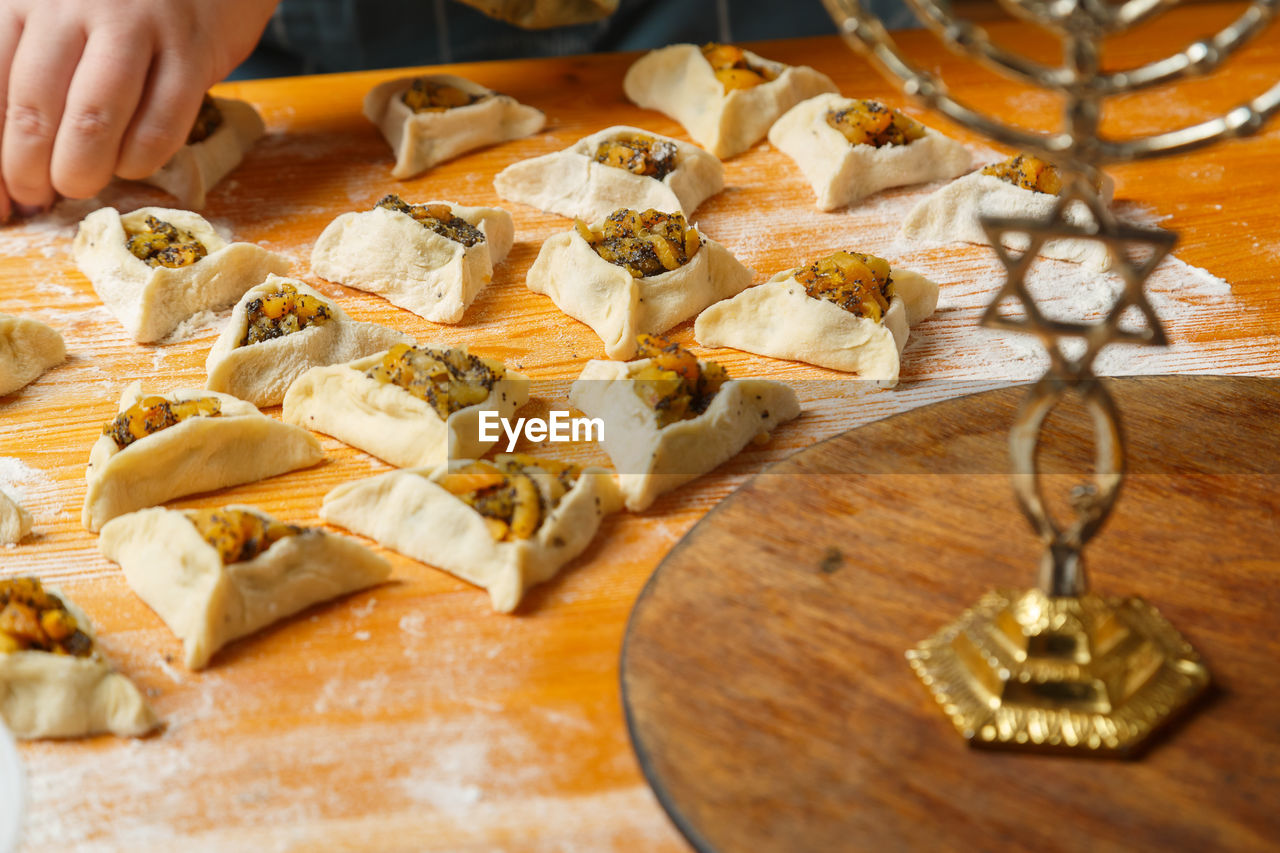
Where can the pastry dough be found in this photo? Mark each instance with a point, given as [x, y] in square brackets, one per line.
[409, 512]
[388, 253]
[841, 173]
[261, 372]
[51, 695]
[951, 215]
[652, 459]
[572, 183]
[27, 349]
[207, 603]
[779, 319]
[198, 167]
[678, 80]
[421, 140]
[199, 454]
[391, 423]
[618, 306]
[15, 521]
[152, 301]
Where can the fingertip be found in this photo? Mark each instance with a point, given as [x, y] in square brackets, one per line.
[163, 120]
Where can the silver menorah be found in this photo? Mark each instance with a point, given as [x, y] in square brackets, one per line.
[1058, 667]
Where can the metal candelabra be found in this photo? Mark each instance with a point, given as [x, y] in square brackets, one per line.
[1058, 667]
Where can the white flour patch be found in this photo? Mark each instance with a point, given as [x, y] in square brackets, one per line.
[198, 325]
[30, 487]
[414, 624]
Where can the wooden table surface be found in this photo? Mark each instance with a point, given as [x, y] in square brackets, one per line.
[411, 716]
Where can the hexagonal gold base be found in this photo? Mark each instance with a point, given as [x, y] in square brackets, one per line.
[1089, 674]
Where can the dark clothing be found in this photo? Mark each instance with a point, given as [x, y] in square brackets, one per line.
[318, 36]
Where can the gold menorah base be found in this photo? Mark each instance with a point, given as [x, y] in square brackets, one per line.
[1077, 674]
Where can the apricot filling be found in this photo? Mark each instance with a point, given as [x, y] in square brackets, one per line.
[515, 492]
[439, 218]
[860, 284]
[160, 244]
[643, 244]
[447, 379]
[675, 384]
[274, 315]
[638, 154]
[872, 123]
[153, 414]
[239, 535]
[33, 619]
[428, 96]
[1028, 172]
[207, 121]
[732, 67]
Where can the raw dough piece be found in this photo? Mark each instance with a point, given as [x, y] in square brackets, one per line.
[410, 512]
[261, 372]
[678, 81]
[652, 459]
[951, 215]
[198, 454]
[197, 167]
[47, 694]
[390, 422]
[389, 253]
[15, 521]
[779, 319]
[207, 602]
[572, 183]
[27, 349]
[421, 140]
[152, 301]
[618, 306]
[841, 173]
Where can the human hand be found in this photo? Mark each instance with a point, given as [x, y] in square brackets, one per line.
[90, 88]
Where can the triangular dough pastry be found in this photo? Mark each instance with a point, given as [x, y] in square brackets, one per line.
[617, 305]
[15, 521]
[198, 453]
[951, 215]
[414, 512]
[388, 252]
[679, 81]
[652, 458]
[574, 182]
[393, 423]
[842, 173]
[209, 596]
[420, 140]
[779, 319]
[260, 372]
[152, 301]
[54, 683]
[27, 349]
[197, 167]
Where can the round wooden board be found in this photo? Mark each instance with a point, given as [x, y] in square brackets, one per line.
[763, 675]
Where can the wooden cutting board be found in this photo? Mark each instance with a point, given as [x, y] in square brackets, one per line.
[763, 672]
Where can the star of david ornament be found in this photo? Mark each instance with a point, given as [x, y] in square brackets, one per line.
[1057, 667]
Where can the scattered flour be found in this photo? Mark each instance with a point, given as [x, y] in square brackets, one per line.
[30, 487]
[198, 325]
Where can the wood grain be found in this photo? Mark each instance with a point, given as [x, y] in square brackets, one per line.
[411, 716]
[781, 714]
